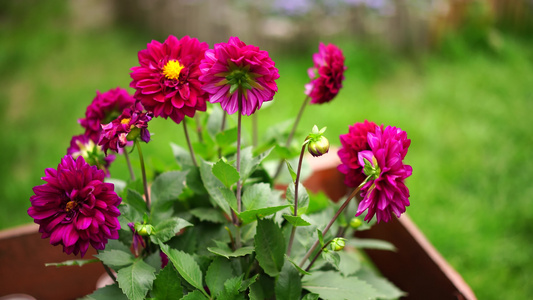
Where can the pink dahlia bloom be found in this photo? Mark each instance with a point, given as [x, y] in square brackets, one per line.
[167, 82]
[352, 143]
[131, 124]
[83, 145]
[326, 75]
[387, 194]
[75, 207]
[105, 108]
[234, 68]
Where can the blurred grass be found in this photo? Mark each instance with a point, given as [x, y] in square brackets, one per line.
[466, 110]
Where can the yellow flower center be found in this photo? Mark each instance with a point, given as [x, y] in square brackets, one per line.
[125, 121]
[70, 205]
[172, 69]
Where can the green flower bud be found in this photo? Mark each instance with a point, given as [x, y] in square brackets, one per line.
[144, 229]
[337, 244]
[355, 223]
[133, 134]
[319, 146]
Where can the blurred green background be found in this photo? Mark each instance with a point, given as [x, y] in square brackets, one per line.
[456, 75]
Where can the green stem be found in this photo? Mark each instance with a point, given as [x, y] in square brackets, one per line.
[332, 221]
[296, 187]
[128, 162]
[316, 256]
[189, 143]
[143, 171]
[238, 167]
[108, 270]
[291, 135]
[222, 127]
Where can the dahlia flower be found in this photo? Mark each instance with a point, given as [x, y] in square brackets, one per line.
[75, 207]
[83, 145]
[166, 81]
[234, 68]
[386, 193]
[326, 75]
[352, 143]
[105, 108]
[130, 125]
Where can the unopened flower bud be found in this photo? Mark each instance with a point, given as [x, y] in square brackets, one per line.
[144, 229]
[133, 134]
[355, 223]
[319, 146]
[337, 244]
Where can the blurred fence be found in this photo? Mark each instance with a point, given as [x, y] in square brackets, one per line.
[404, 25]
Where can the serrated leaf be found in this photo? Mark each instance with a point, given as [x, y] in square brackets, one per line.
[371, 244]
[256, 196]
[300, 270]
[249, 163]
[214, 186]
[226, 173]
[230, 197]
[227, 253]
[320, 237]
[288, 283]
[331, 257]
[136, 280]
[194, 295]
[385, 288]
[296, 220]
[208, 214]
[303, 197]
[251, 215]
[167, 229]
[186, 266]
[333, 286]
[116, 259]
[136, 200]
[74, 262]
[218, 272]
[269, 247]
[116, 245]
[310, 296]
[164, 191]
[226, 137]
[350, 263]
[231, 289]
[291, 171]
[108, 292]
[246, 283]
[167, 284]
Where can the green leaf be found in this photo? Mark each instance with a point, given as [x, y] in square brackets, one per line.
[74, 262]
[214, 121]
[108, 292]
[250, 163]
[269, 247]
[331, 257]
[262, 289]
[248, 282]
[208, 214]
[350, 263]
[167, 229]
[136, 200]
[302, 271]
[227, 252]
[194, 295]
[333, 286]
[186, 266]
[371, 244]
[116, 245]
[167, 284]
[320, 237]
[291, 171]
[251, 215]
[296, 220]
[226, 173]
[310, 296]
[218, 272]
[303, 197]
[385, 288]
[227, 137]
[230, 197]
[214, 186]
[116, 259]
[165, 189]
[136, 280]
[288, 283]
[256, 196]
[183, 157]
[231, 289]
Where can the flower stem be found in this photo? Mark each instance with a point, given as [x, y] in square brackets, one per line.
[128, 162]
[296, 187]
[316, 256]
[198, 128]
[238, 167]
[189, 143]
[291, 135]
[332, 221]
[143, 171]
[222, 127]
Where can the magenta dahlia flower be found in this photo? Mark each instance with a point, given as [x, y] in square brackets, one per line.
[326, 75]
[105, 108]
[234, 68]
[83, 145]
[386, 193]
[167, 82]
[352, 143]
[130, 125]
[75, 207]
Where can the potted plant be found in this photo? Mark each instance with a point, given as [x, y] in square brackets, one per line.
[217, 228]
